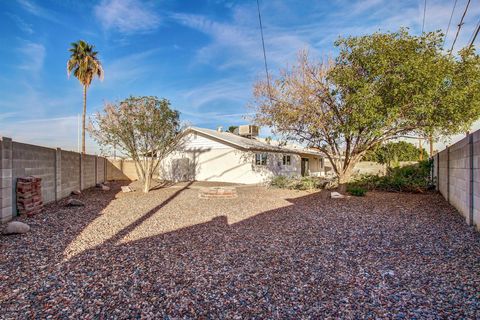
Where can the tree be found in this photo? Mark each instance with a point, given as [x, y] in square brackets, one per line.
[144, 128]
[232, 129]
[393, 152]
[85, 65]
[379, 87]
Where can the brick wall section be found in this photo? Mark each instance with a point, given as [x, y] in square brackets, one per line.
[61, 172]
[70, 163]
[459, 177]
[88, 171]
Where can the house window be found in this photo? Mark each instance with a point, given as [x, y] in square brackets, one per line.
[286, 160]
[261, 159]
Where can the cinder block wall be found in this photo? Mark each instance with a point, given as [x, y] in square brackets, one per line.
[61, 172]
[89, 172]
[70, 172]
[101, 174]
[31, 160]
[476, 178]
[121, 170]
[443, 173]
[459, 177]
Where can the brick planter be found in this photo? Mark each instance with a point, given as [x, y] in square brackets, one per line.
[217, 193]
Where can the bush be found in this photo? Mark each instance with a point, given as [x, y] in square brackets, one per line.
[356, 191]
[412, 178]
[279, 182]
[299, 183]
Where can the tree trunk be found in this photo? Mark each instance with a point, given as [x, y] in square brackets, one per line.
[430, 140]
[147, 183]
[84, 116]
[147, 175]
[344, 177]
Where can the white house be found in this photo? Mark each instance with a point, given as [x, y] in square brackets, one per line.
[213, 155]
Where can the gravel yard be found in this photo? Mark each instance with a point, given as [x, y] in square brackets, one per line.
[267, 254]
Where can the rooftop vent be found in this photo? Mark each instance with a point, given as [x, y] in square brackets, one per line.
[248, 131]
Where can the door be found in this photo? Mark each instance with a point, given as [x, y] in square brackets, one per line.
[181, 169]
[304, 167]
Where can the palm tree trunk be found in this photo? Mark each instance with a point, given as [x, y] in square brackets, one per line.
[83, 117]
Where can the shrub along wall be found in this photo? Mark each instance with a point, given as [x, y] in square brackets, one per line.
[457, 174]
[61, 172]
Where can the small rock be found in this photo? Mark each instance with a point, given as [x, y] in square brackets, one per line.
[15, 227]
[127, 189]
[105, 188]
[336, 195]
[75, 203]
[76, 192]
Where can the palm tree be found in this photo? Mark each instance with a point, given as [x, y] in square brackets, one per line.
[85, 66]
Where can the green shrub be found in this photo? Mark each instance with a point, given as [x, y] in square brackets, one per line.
[412, 178]
[356, 191]
[299, 183]
[279, 182]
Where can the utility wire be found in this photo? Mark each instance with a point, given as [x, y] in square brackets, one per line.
[449, 22]
[424, 12]
[263, 46]
[460, 26]
[474, 35]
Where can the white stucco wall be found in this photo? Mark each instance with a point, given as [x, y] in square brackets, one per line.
[211, 160]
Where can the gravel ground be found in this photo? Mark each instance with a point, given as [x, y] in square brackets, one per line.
[266, 254]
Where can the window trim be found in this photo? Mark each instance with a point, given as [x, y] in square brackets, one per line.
[287, 160]
[261, 159]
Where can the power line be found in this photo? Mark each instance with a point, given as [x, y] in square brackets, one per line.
[263, 46]
[449, 22]
[424, 12]
[474, 35]
[460, 26]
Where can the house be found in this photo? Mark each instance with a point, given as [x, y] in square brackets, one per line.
[241, 157]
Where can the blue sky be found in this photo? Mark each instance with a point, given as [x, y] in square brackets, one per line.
[202, 55]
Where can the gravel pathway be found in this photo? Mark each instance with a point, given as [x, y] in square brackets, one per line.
[266, 254]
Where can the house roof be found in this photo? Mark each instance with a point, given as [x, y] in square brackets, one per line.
[249, 144]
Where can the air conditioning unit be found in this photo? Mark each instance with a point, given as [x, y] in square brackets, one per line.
[248, 131]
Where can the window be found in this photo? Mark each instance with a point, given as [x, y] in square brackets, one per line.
[286, 160]
[261, 159]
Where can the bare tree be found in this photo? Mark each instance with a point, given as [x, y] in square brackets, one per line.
[380, 87]
[144, 128]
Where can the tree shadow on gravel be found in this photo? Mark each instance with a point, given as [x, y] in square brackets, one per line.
[385, 255]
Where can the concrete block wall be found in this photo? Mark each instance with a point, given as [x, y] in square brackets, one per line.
[61, 172]
[458, 171]
[443, 173]
[121, 170]
[31, 160]
[6, 209]
[476, 178]
[459, 176]
[70, 173]
[89, 169]
[101, 166]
